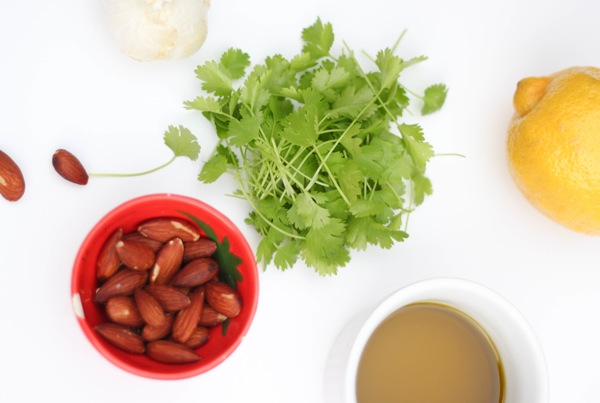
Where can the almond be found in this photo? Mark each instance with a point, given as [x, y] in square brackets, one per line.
[203, 247]
[198, 338]
[163, 229]
[209, 317]
[223, 298]
[122, 337]
[123, 282]
[69, 167]
[151, 333]
[108, 259]
[12, 183]
[167, 263]
[187, 319]
[135, 255]
[149, 308]
[124, 311]
[170, 352]
[170, 298]
[185, 290]
[196, 272]
[136, 236]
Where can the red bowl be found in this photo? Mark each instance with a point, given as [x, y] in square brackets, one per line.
[127, 216]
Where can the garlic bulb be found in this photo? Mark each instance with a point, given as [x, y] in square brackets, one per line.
[149, 30]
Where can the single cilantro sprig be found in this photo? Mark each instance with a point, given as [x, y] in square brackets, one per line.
[316, 147]
[179, 139]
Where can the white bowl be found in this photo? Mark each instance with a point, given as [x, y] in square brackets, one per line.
[526, 376]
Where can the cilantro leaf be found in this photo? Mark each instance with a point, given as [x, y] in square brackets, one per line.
[352, 101]
[244, 130]
[306, 213]
[301, 126]
[349, 176]
[213, 169]
[235, 62]
[318, 39]
[420, 150]
[265, 250]
[421, 187]
[182, 142]
[279, 73]
[253, 93]
[204, 104]
[350, 139]
[324, 248]
[434, 98]
[390, 67]
[325, 79]
[268, 245]
[287, 255]
[215, 78]
[414, 60]
[231, 158]
[365, 231]
[302, 61]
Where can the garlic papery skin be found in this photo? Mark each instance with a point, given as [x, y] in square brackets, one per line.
[148, 30]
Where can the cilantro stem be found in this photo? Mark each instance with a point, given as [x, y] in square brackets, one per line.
[394, 192]
[377, 95]
[267, 185]
[449, 155]
[250, 200]
[335, 144]
[412, 93]
[285, 177]
[397, 43]
[333, 180]
[410, 205]
[121, 175]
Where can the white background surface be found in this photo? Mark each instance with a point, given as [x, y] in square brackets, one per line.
[64, 84]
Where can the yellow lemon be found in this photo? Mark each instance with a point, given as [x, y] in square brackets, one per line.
[554, 146]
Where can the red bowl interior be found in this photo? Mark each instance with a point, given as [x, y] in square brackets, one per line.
[127, 216]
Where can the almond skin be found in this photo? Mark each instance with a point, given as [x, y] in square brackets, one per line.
[69, 167]
[223, 298]
[163, 229]
[149, 308]
[171, 299]
[170, 352]
[108, 259]
[135, 255]
[151, 333]
[12, 183]
[123, 282]
[209, 317]
[187, 319]
[167, 263]
[198, 338]
[203, 247]
[196, 272]
[124, 311]
[136, 236]
[122, 337]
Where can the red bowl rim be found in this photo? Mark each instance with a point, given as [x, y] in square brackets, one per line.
[252, 275]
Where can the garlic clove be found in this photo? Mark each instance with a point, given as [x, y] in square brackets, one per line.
[148, 30]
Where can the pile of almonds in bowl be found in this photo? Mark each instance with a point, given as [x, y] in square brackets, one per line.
[160, 290]
[165, 286]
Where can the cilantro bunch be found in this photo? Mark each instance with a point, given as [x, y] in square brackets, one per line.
[316, 147]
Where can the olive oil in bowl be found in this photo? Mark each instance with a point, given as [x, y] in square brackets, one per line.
[429, 353]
